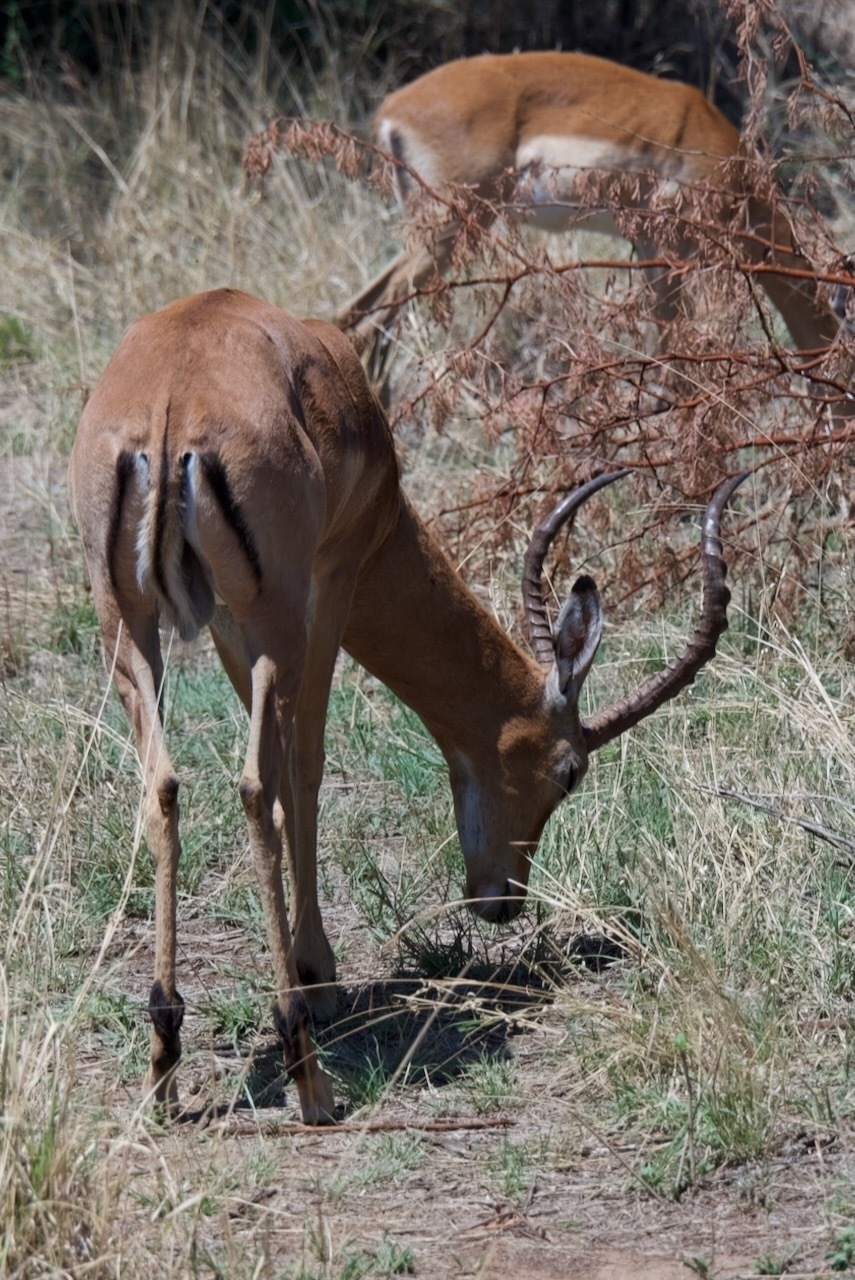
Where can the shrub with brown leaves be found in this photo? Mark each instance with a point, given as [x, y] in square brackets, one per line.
[561, 361]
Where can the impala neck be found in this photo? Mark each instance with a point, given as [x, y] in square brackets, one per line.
[416, 626]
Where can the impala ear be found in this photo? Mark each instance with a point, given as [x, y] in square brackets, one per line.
[577, 636]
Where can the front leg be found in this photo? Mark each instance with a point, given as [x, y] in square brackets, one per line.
[312, 952]
[271, 716]
[301, 782]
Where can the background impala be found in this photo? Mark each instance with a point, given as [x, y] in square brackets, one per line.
[233, 469]
[518, 130]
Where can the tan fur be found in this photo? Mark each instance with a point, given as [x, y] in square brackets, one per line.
[479, 121]
[299, 526]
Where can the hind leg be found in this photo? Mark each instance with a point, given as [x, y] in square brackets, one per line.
[667, 288]
[132, 644]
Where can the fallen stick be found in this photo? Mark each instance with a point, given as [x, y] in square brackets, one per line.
[836, 838]
[365, 1126]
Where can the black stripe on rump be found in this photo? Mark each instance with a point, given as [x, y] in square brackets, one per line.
[405, 181]
[160, 512]
[215, 474]
[124, 470]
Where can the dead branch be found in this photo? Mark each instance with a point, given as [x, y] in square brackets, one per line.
[230, 1127]
[835, 838]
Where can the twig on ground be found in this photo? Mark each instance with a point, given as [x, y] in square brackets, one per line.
[366, 1126]
[835, 838]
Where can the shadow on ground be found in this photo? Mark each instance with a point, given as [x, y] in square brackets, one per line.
[412, 1028]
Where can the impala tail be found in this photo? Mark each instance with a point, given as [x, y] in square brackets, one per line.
[169, 562]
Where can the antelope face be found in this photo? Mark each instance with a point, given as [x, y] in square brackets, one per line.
[497, 868]
[500, 828]
[540, 759]
[538, 754]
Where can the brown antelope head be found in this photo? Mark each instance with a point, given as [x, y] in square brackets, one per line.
[542, 757]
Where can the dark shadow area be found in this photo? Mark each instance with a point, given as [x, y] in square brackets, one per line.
[401, 1029]
[427, 1029]
[430, 1022]
[594, 951]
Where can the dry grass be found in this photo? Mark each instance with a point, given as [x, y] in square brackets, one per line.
[689, 1098]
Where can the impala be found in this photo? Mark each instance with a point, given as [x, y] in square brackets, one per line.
[233, 470]
[519, 129]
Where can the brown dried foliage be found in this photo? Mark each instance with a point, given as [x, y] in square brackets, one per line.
[563, 366]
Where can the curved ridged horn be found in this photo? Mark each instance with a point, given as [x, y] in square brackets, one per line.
[539, 632]
[668, 682]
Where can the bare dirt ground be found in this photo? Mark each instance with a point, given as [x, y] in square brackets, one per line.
[582, 1213]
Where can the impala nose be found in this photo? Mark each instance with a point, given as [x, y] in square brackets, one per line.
[497, 905]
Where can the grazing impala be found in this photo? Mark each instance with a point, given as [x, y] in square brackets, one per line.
[232, 469]
[518, 129]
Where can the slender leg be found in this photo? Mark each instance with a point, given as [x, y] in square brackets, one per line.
[811, 324]
[667, 289]
[300, 787]
[232, 651]
[138, 675]
[274, 700]
[769, 238]
[384, 296]
[301, 776]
